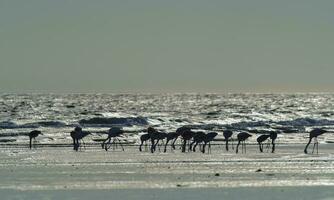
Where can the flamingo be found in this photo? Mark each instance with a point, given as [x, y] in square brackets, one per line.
[143, 139]
[32, 136]
[261, 139]
[171, 136]
[207, 139]
[186, 135]
[198, 137]
[241, 138]
[160, 136]
[77, 135]
[227, 135]
[113, 132]
[314, 134]
[155, 135]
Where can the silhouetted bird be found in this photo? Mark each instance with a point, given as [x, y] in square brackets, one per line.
[314, 134]
[227, 135]
[241, 138]
[198, 137]
[260, 141]
[207, 139]
[155, 137]
[143, 139]
[171, 136]
[78, 135]
[114, 133]
[32, 136]
[159, 137]
[186, 135]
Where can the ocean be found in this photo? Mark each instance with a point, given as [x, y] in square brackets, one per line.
[57, 114]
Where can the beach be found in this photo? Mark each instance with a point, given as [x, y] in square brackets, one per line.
[60, 172]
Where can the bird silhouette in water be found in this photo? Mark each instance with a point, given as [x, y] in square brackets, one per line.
[241, 139]
[227, 135]
[260, 141]
[314, 134]
[113, 133]
[32, 136]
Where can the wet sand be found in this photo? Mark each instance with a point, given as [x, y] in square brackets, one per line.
[58, 172]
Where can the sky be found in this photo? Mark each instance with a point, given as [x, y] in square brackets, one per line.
[113, 46]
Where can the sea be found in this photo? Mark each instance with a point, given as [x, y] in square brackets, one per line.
[57, 114]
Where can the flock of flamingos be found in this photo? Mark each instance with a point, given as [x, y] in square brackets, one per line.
[190, 139]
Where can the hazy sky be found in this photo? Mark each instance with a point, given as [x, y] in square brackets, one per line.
[166, 45]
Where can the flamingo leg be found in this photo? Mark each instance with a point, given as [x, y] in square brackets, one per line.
[242, 146]
[268, 146]
[107, 145]
[315, 143]
[245, 146]
[84, 145]
[141, 144]
[203, 147]
[165, 149]
[120, 144]
[114, 144]
[173, 144]
[194, 148]
[237, 147]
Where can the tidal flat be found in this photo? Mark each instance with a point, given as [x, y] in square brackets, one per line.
[60, 172]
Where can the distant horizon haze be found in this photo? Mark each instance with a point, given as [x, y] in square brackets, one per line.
[175, 46]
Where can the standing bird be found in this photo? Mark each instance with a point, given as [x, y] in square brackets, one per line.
[241, 138]
[114, 133]
[32, 135]
[260, 141]
[160, 137]
[227, 135]
[273, 136]
[77, 135]
[198, 137]
[154, 136]
[186, 135]
[171, 136]
[314, 134]
[143, 139]
[208, 138]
